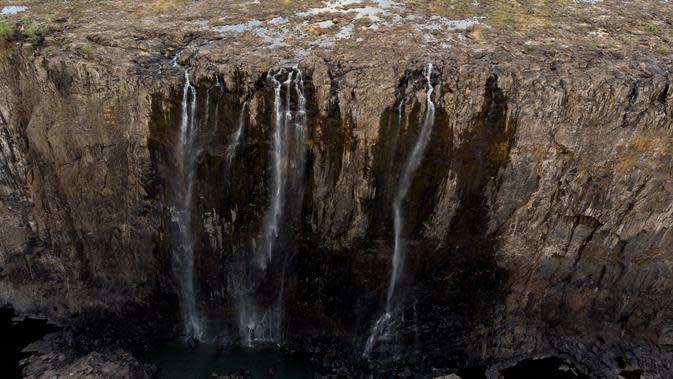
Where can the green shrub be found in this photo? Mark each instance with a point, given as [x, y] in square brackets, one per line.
[85, 49]
[31, 29]
[63, 41]
[363, 21]
[6, 32]
[652, 28]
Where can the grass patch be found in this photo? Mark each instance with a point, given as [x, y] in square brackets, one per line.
[663, 50]
[32, 29]
[453, 9]
[650, 27]
[85, 49]
[6, 32]
[364, 21]
[514, 15]
[154, 7]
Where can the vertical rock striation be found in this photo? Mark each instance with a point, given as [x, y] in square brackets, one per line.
[79, 214]
[538, 221]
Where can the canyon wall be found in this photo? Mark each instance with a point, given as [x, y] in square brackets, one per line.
[79, 221]
[539, 221]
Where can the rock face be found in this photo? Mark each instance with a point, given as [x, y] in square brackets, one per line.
[539, 222]
[78, 222]
[118, 364]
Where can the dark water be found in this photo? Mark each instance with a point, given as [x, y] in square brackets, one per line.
[179, 361]
[547, 368]
[14, 336]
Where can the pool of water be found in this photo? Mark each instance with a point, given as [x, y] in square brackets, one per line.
[547, 368]
[180, 361]
[13, 9]
[16, 334]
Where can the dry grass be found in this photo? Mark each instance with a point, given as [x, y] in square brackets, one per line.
[154, 7]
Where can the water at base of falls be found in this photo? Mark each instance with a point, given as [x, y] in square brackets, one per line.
[384, 325]
[180, 361]
[262, 324]
[17, 333]
[256, 328]
[379, 331]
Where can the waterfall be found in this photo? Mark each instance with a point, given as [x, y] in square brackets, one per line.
[278, 157]
[288, 157]
[405, 183]
[380, 329]
[288, 154]
[186, 151]
[383, 325]
[236, 137]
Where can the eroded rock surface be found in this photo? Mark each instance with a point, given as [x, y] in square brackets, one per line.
[538, 224]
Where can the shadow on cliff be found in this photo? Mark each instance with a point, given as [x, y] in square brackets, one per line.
[460, 283]
[450, 287]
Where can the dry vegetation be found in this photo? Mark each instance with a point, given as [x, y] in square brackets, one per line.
[521, 26]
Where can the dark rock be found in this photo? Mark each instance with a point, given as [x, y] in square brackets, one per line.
[538, 223]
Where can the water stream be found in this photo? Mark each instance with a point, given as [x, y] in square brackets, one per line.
[186, 152]
[261, 324]
[405, 183]
[383, 326]
[236, 137]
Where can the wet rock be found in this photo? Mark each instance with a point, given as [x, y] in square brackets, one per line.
[117, 364]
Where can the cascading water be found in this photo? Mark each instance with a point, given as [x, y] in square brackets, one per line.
[259, 324]
[382, 327]
[296, 133]
[405, 183]
[186, 154]
[236, 137]
[279, 164]
[261, 273]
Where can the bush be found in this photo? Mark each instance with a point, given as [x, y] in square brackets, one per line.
[652, 28]
[85, 49]
[6, 32]
[32, 30]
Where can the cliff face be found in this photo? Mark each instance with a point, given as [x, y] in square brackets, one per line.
[588, 204]
[538, 223]
[78, 222]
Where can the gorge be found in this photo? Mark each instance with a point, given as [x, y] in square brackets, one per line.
[338, 188]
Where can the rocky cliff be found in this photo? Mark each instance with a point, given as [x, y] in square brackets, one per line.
[538, 223]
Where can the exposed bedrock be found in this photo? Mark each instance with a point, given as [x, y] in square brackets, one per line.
[538, 223]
